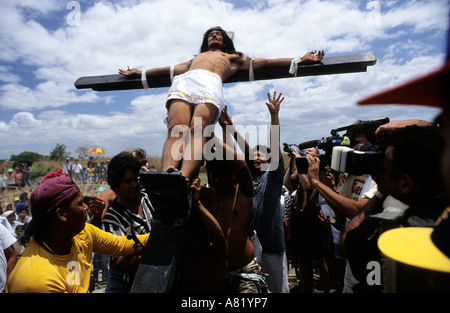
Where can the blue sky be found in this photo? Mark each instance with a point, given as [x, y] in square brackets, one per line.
[46, 45]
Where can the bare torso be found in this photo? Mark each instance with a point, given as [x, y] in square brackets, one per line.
[233, 217]
[218, 62]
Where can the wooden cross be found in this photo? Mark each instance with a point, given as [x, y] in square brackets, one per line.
[157, 268]
[331, 65]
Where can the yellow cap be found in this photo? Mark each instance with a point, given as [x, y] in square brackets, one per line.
[413, 246]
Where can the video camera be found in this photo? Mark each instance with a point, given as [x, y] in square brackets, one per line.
[362, 160]
[325, 144]
[288, 148]
[365, 159]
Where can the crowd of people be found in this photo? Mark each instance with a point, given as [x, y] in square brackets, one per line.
[92, 173]
[321, 224]
[255, 217]
[17, 176]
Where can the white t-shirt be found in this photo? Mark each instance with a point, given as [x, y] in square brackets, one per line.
[77, 168]
[355, 187]
[6, 240]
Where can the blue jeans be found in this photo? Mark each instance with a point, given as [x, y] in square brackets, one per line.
[116, 282]
[100, 263]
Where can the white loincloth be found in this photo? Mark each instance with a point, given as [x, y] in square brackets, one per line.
[198, 86]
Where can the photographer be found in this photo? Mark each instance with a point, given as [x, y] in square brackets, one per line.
[349, 200]
[408, 175]
[356, 190]
[307, 229]
[424, 251]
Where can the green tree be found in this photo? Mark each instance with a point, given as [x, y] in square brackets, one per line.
[59, 152]
[27, 156]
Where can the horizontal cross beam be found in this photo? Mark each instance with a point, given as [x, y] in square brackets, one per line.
[330, 65]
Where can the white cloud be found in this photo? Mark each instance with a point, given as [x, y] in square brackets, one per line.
[40, 63]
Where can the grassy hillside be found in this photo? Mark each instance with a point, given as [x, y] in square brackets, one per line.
[41, 168]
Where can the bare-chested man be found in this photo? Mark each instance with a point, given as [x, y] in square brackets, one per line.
[218, 249]
[197, 91]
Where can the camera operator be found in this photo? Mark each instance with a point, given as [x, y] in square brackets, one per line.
[408, 175]
[354, 193]
[350, 198]
[308, 226]
[420, 256]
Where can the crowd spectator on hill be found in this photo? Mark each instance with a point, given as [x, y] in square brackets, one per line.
[77, 168]
[91, 172]
[8, 256]
[12, 220]
[17, 176]
[23, 198]
[11, 182]
[22, 240]
[102, 172]
[67, 167]
[3, 179]
[5, 222]
[9, 207]
[23, 213]
[91, 161]
[84, 175]
[26, 169]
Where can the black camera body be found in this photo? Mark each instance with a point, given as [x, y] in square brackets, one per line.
[325, 144]
[367, 160]
[364, 159]
[302, 163]
[289, 147]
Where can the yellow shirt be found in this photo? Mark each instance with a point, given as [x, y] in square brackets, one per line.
[39, 271]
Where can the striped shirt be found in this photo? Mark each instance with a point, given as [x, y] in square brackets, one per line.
[266, 213]
[118, 219]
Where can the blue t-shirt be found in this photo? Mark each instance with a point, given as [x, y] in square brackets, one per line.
[266, 214]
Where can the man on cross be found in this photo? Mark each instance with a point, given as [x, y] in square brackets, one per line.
[197, 92]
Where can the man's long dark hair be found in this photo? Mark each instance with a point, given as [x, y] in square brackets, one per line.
[228, 42]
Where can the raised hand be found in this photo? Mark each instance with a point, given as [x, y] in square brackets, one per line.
[195, 187]
[274, 103]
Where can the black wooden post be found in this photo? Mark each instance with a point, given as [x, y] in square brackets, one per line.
[169, 198]
[328, 66]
